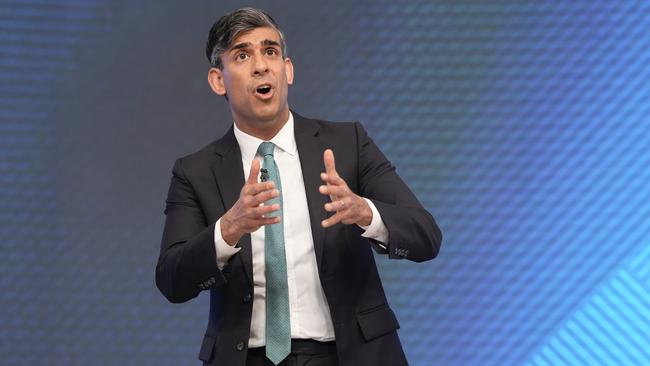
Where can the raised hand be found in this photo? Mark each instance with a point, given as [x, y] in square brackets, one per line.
[249, 212]
[349, 207]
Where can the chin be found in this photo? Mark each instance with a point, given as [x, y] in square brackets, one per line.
[269, 113]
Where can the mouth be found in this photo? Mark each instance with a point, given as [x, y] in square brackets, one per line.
[264, 91]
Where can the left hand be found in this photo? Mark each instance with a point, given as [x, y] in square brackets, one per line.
[349, 207]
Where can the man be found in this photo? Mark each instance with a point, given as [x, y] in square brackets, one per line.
[279, 231]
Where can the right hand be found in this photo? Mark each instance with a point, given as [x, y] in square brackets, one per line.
[248, 213]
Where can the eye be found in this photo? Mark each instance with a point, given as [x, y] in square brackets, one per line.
[242, 56]
[271, 52]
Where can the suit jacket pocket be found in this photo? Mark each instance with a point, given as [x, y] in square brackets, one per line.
[376, 322]
[205, 354]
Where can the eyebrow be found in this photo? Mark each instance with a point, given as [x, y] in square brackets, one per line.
[270, 42]
[244, 45]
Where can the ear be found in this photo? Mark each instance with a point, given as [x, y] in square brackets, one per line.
[215, 79]
[288, 69]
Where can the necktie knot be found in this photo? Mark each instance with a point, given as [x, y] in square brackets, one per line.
[266, 148]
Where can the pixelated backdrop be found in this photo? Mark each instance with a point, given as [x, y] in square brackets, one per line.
[523, 126]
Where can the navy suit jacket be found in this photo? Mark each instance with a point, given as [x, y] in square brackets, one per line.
[207, 183]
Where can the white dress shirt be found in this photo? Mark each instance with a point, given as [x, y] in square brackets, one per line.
[309, 312]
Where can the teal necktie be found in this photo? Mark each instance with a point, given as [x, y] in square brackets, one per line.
[278, 324]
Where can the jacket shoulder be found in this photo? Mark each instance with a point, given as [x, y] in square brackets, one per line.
[200, 159]
[329, 127]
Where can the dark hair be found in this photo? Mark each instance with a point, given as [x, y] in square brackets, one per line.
[228, 27]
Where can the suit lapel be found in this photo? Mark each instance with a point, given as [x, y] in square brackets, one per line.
[229, 174]
[310, 150]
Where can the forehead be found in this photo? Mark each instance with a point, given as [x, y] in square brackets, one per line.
[257, 36]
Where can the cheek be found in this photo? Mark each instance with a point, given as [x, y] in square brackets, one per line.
[234, 84]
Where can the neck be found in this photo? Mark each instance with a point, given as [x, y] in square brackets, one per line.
[263, 130]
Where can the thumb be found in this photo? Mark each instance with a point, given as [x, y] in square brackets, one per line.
[254, 172]
[328, 159]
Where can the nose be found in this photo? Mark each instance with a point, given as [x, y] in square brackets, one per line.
[260, 67]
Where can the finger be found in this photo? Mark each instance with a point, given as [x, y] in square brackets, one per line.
[333, 190]
[270, 220]
[254, 173]
[338, 206]
[332, 179]
[265, 196]
[256, 188]
[330, 165]
[266, 209]
[333, 220]
[253, 225]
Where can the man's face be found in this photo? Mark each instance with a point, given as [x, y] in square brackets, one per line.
[255, 78]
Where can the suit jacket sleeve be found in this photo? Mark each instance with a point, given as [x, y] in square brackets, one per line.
[187, 262]
[413, 232]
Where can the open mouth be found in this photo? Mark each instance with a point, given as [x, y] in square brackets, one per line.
[264, 89]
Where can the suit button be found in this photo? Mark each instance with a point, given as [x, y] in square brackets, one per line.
[240, 346]
[247, 298]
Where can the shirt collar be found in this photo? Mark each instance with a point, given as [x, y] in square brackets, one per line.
[284, 139]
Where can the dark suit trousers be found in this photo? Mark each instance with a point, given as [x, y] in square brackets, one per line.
[303, 353]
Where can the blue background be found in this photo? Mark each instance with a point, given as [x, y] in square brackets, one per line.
[523, 127]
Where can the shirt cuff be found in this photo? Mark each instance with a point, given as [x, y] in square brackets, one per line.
[377, 229]
[224, 251]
